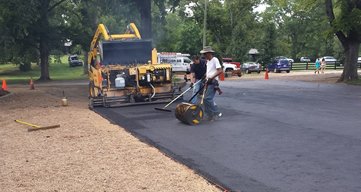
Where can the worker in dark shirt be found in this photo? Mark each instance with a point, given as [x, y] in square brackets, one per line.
[198, 71]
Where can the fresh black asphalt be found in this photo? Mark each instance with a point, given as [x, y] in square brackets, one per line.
[274, 135]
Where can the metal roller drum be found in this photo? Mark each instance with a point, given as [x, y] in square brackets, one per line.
[189, 113]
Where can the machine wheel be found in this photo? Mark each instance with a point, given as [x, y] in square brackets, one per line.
[275, 70]
[248, 72]
[91, 104]
[131, 98]
[288, 71]
[258, 72]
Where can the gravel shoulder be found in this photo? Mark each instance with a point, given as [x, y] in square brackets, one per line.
[87, 152]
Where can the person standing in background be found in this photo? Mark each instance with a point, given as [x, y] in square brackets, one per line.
[198, 71]
[317, 65]
[323, 65]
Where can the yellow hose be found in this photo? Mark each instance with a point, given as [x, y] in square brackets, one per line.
[25, 123]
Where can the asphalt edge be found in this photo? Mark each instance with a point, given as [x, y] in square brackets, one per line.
[171, 155]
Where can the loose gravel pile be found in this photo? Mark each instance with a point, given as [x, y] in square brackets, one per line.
[87, 152]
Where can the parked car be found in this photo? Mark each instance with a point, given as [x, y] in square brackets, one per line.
[329, 59]
[74, 61]
[180, 61]
[231, 68]
[305, 59]
[250, 67]
[279, 65]
[230, 60]
[283, 57]
[359, 60]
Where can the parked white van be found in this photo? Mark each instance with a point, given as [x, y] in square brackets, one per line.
[180, 62]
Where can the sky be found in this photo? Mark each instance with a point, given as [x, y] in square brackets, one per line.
[261, 8]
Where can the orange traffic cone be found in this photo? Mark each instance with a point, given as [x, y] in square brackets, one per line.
[4, 86]
[266, 75]
[221, 76]
[31, 83]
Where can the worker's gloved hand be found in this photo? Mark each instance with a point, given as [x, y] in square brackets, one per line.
[191, 85]
[209, 81]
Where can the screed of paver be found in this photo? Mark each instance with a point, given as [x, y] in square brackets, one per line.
[87, 153]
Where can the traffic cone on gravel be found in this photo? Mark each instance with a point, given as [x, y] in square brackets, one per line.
[266, 75]
[4, 86]
[31, 83]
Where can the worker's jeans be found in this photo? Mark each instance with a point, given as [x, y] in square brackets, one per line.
[196, 88]
[209, 107]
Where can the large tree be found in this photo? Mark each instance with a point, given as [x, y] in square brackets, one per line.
[33, 25]
[43, 32]
[232, 27]
[347, 27]
[144, 8]
[16, 45]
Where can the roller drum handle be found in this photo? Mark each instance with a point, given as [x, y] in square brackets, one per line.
[175, 99]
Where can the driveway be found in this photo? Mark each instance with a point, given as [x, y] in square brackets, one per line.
[276, 135]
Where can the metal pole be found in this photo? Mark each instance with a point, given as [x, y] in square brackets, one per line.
[205, 23]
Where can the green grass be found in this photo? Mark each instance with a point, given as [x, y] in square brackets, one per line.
[58, 71]
[355, 82]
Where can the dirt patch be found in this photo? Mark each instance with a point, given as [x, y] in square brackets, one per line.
[87, 153]
[3, 92]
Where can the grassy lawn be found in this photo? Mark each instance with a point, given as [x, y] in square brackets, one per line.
[355, 82]
[58, 71]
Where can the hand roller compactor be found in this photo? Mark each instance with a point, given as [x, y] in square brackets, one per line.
[186, 112]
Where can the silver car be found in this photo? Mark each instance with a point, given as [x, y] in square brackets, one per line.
[305, 59]
[250, 67]
[329, 59]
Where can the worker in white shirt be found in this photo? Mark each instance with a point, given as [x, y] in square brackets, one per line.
[214, 68]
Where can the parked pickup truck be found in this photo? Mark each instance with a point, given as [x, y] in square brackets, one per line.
[230, 60]
[231, 68]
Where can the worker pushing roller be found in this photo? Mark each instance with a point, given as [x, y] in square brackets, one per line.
[192, 113]
[214, 69]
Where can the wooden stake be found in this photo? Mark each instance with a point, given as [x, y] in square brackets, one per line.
[43, 128]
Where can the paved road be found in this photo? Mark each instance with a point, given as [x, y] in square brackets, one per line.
[274, 136]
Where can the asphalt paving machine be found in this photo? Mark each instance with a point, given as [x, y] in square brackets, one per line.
[123, 70]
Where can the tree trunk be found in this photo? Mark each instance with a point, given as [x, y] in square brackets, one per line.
[144, 7]
[295, 44]
[85, 67]
[44, 41]
[350, 65]
[350, 43]
[44, 60]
